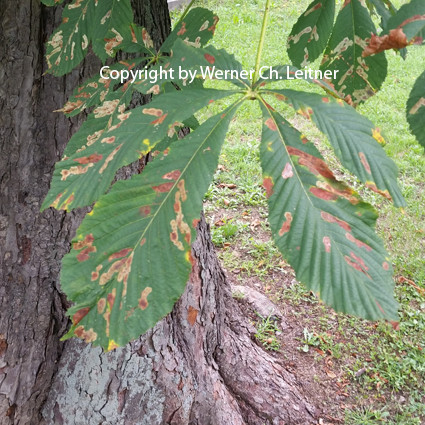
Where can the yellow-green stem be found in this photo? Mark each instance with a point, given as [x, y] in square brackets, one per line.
[261, 43]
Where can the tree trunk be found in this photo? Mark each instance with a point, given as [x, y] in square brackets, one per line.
[197, 366]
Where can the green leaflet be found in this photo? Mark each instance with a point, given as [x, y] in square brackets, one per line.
[358, 78]
[132, 255]
[112, 22]
[69, 43]
[105, 24]
[416, 109]
[356, 141]
[196, 29]
[83, 177]
[310, 34]
[322, 227]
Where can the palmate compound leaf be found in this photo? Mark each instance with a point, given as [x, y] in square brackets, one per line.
[310, 34]
[356, 141]
[84, 176]
[358, 77]
[416, 109]
[322, 227]
[131, 257]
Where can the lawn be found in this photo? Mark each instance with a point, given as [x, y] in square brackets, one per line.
[366, 373]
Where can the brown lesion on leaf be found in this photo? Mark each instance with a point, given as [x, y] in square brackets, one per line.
[74, 171]
[270, 124]
[71, 106]
[163, 188]
[55, 203]
[95, 274]
[287, 171]
[214, 25]
[316, 165]
[110, 301]
[85, 246]
[147, 41]
[172, 175]
[327, 243]
[323, 194]
[396, 39]
[372, 186]
[79, 315]
[91, 159]
[365, 162]
[84, 255]
[174, 128]
[101, 305]
[67, 202]
[296, 37]
[182, 29]
[123, 253]
[359, 243]
[179, 225]
[109, 158]
[113, 43]
[268, 185]
[209, 58]
[357, 263]
[415, 108]
[107, 108]
[155, 89]
[204, 26]
[122, 267]
[108, 140]
[87, 336]
[332, 219]
[286, 226]
[331, 190]
[143, 300]
[145, 210]
[153, 111]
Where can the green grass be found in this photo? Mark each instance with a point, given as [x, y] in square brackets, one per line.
[394, 360]
[266, 333]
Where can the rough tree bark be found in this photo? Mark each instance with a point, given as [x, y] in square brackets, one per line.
[197, 366]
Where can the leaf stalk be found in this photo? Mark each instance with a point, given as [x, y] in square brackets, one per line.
[261, 42]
